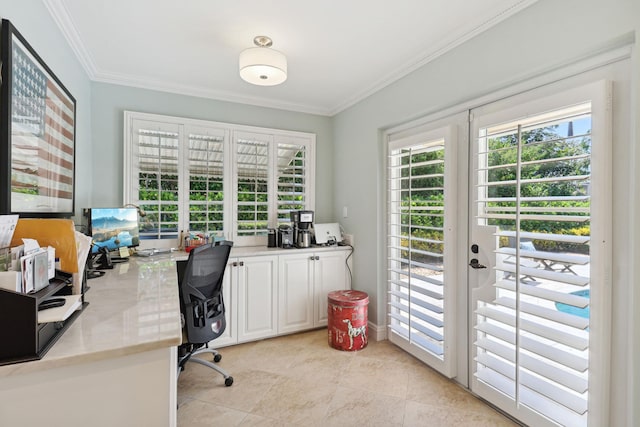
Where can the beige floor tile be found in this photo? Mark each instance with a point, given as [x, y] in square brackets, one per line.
[300, 380]
[296, 401]
[249, 386]
[195, 413]
[257, 421]
[429, 387]
[419, 415]
[379, 376]
[351, 407]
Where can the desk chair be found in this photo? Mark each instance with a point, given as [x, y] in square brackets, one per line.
[200, 281]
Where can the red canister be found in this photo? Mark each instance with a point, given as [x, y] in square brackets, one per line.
[347, 320]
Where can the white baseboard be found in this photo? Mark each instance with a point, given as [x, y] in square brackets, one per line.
[377, 332]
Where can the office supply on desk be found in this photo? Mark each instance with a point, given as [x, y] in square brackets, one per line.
[112, 228]
[55, 232]
[51, 303]
[7, 226]
[27, 334]
[154, 251]
[328, 233]
[58, 309]
[200, 281]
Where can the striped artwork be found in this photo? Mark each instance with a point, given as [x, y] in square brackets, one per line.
[42, 154]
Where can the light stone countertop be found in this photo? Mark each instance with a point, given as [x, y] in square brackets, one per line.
[133, 308]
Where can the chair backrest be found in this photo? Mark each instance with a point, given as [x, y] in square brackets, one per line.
[200, 280]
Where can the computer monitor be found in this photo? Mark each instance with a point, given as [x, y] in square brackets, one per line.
[113, 228]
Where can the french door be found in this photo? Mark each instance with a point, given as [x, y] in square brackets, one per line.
[423, 205]
[499, 252]
[540, 231]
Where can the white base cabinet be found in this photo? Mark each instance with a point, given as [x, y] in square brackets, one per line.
[250, 294]
[269, 295]
[329, 274]
[295, 292]
[303, 284]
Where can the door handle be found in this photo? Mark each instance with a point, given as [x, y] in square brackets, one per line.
[476, 264]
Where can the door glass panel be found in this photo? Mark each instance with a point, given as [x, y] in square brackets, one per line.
[421, 238]
[532, 330]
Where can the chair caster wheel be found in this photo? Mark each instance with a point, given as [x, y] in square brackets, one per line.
[217, 358]
[228, 381]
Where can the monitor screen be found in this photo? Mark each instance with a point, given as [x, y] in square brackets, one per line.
[114, 228]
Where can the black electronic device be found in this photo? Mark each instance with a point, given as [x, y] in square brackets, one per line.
[102, 260]
[51, 303]
[112, 228]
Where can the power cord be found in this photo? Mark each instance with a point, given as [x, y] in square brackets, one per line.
[346, 261]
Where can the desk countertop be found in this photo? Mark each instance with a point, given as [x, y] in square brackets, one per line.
[132, 308]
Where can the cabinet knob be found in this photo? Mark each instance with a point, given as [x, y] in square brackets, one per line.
[312, 258]
[317, 257]
[241, 263]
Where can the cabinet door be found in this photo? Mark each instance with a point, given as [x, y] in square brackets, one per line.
[295, 292]
[230, 297]
[257, 297]
[330, 274]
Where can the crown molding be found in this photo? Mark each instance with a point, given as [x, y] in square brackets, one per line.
[63, 20]
[203, 92]
[431, 55]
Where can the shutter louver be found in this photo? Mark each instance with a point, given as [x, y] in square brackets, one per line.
[158, 170]
[292, 176]
[206, 182]
[416, 245]
[532, 338]
[252, 162]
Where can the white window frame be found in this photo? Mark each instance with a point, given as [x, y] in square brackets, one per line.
[184, 126]
[446, 130]
[532, 104]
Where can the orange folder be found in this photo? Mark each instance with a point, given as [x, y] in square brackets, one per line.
[54, 232]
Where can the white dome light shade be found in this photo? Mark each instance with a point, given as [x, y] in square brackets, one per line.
[263, 66]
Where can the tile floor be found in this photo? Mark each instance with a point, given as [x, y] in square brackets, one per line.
[299, 380]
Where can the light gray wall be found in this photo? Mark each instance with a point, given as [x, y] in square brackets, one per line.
[110, 101]
[547, 35]
[33, 21]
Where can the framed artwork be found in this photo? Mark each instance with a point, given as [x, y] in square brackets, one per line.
[37, 133]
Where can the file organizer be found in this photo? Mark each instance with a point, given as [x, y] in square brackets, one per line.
[23, 339]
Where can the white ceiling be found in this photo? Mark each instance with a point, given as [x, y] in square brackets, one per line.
[339, 51]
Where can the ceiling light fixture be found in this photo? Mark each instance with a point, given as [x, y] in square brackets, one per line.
[261, 65]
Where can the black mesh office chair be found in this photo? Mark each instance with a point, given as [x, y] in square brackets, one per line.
[200, 280]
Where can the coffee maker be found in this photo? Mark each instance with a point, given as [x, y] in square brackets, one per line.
[301, 221]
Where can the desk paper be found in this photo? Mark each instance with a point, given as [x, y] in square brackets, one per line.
[58, 314]
[7, 227]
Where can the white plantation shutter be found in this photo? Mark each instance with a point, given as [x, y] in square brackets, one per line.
[421, 212]
[253, 163]
[214, 178]
[293, 177]
[156, 166]
[535, 333]
[206, 172]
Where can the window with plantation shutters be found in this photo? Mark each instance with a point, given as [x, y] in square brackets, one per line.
[214, 179]
[540, 180]
[292, 177]
[156, 178]
[206, 158]
[252, 190]
[421, 240]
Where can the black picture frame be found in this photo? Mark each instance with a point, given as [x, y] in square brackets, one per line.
[37, 133]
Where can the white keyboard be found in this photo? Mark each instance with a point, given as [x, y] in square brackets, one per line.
[154, 251]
